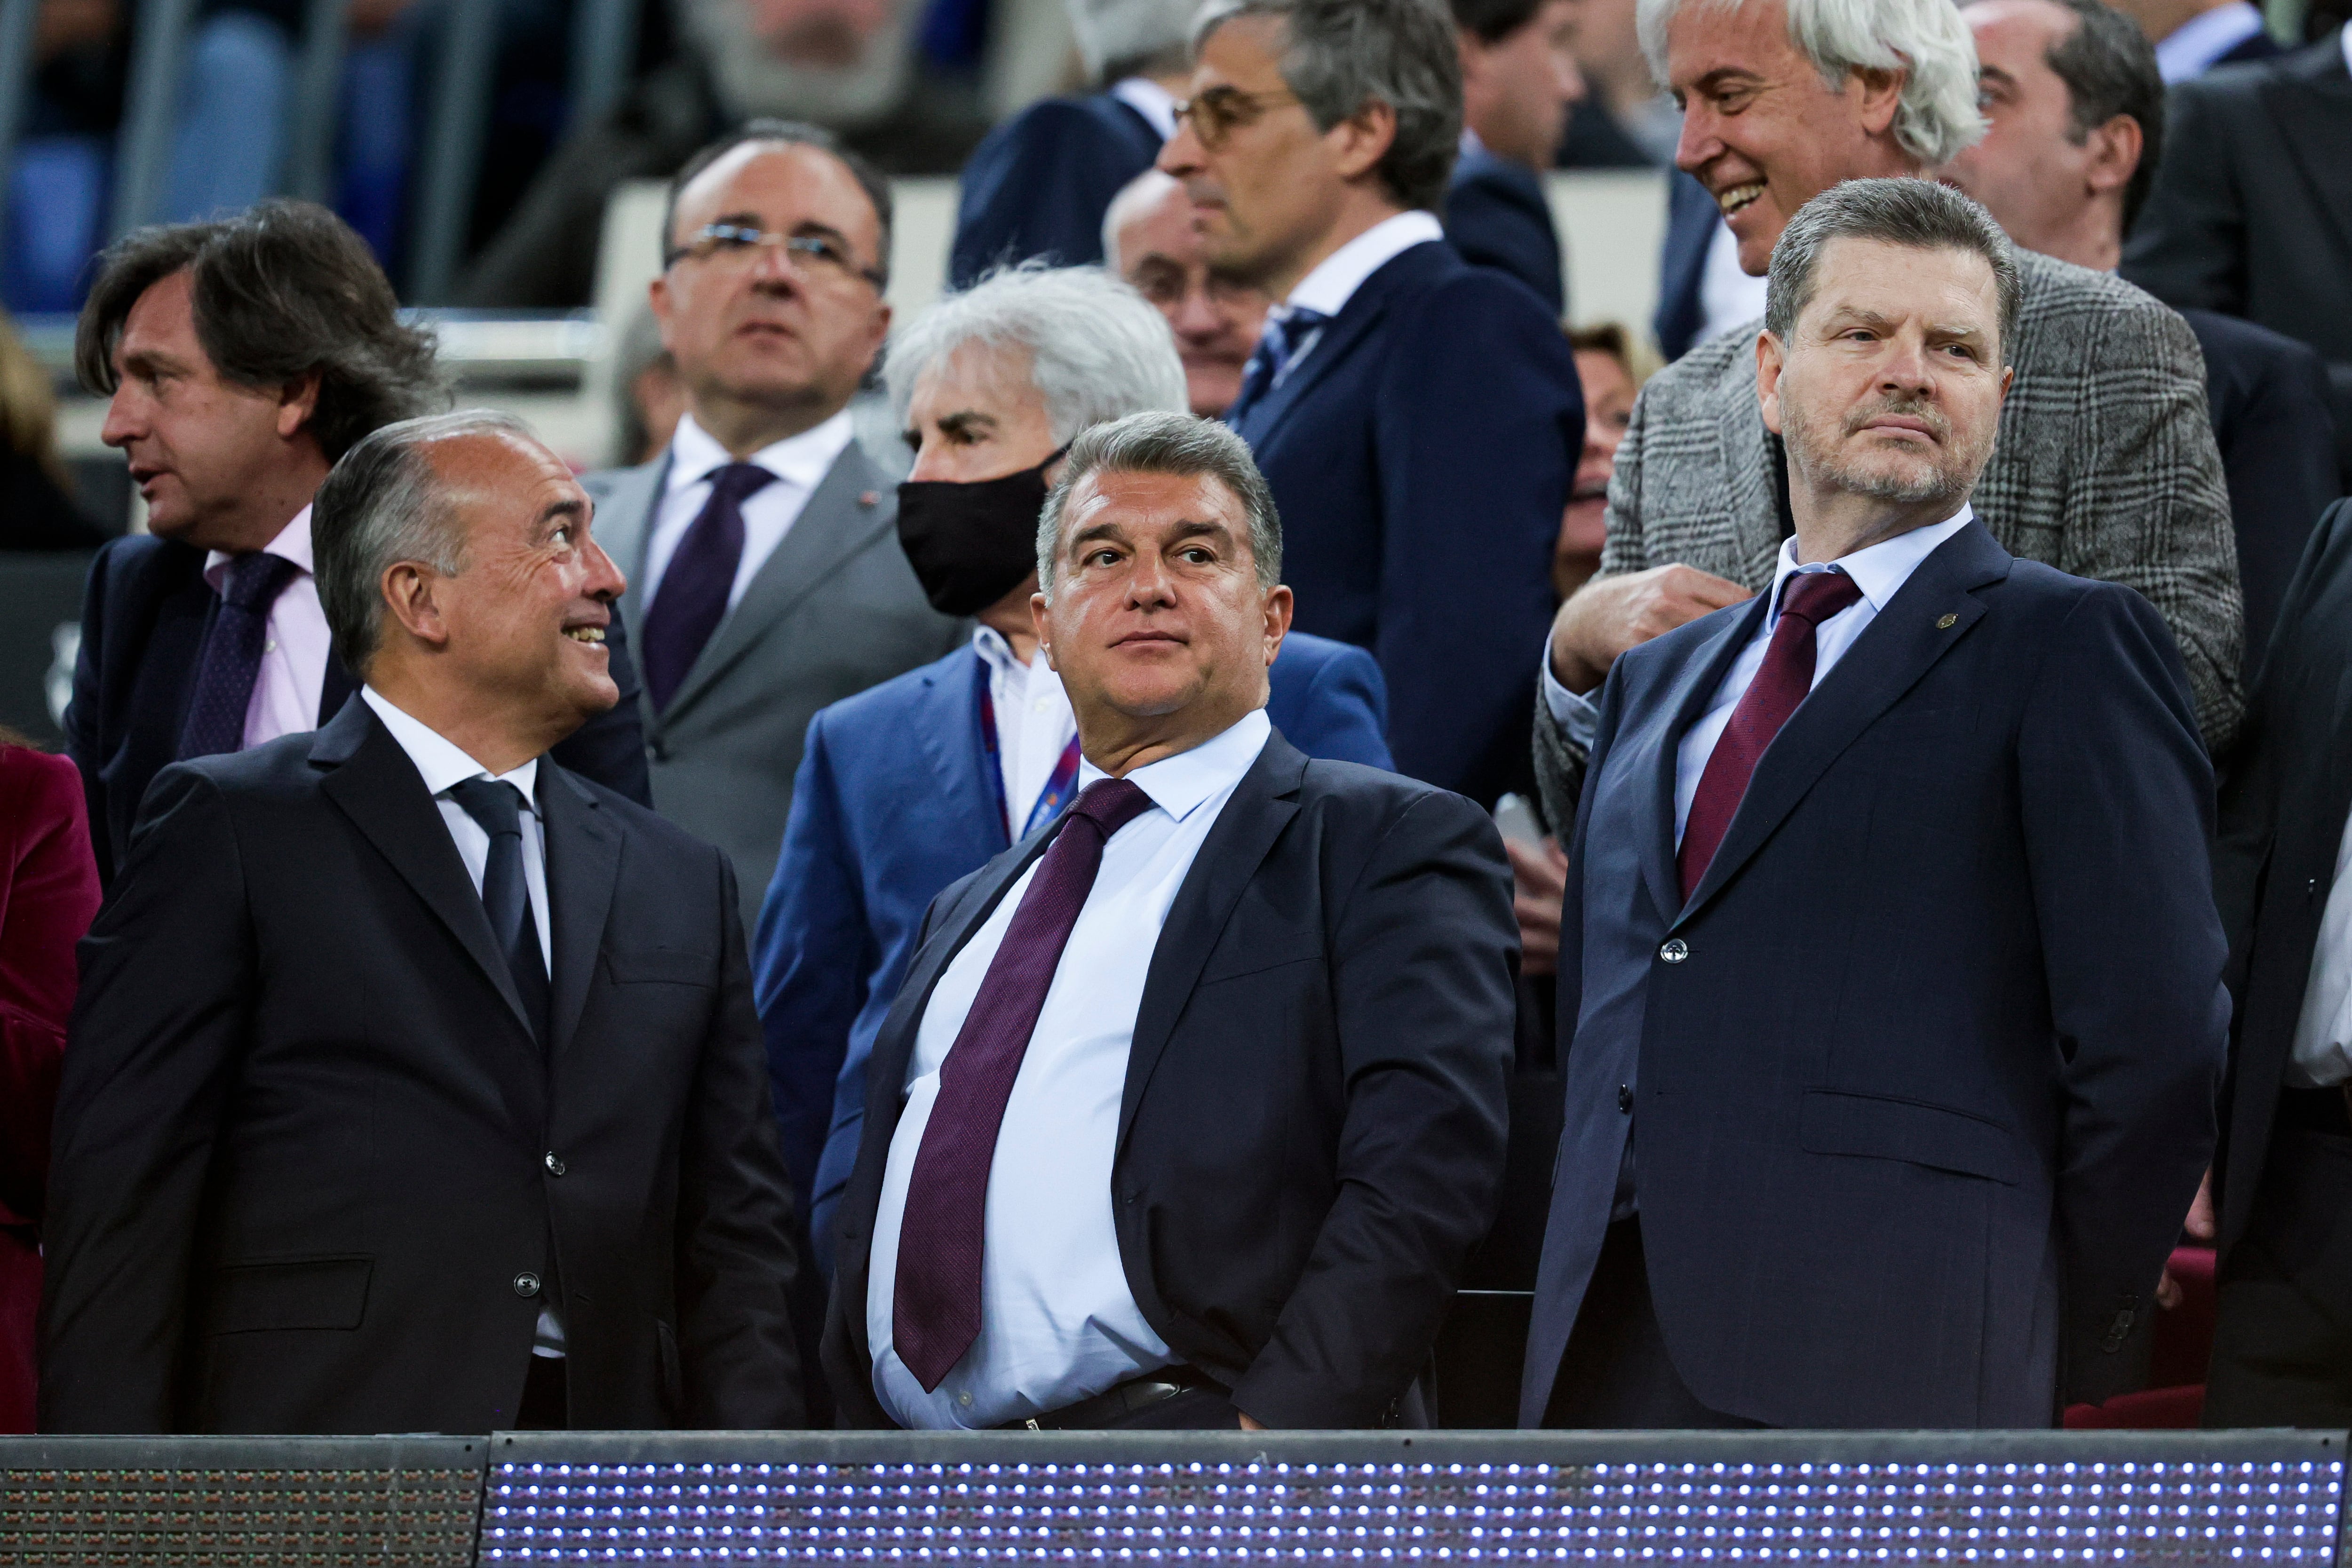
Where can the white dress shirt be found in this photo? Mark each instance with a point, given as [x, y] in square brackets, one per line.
[800, 464]
[1057, 1322]
[1336, 277]
[1151, 101]
[2321, 1056]
[292, 679]
[1727, 295]
[2191, 49]
[1035, 723]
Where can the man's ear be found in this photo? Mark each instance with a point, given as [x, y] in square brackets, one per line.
[2115, 149]
[1038, 625]
[1280, 606]
[408, 590]
[1769, 359]
[1360, 141]
[1879, 93]
[298, 403]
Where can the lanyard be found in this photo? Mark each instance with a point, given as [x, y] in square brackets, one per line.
[1058, 785]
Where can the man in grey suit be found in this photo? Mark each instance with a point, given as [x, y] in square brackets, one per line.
[761, 547]
[2104, 466]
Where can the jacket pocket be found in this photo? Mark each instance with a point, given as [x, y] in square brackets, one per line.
[659, 966]
[673, 1381]
[1232, 961]
[1877, 1127]
[291, 1293]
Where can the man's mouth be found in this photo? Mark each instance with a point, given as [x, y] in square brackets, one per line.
[1739, 196]
[1133, 637]
[593, 636]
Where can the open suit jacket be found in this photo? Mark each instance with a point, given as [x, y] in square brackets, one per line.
[144, 615]
[306, 1142]
[1421, 454]
[1311, 1136]
[833, 610]
[1920, 1080]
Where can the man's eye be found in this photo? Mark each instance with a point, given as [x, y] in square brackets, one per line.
[1198, 556]
[1103, 558]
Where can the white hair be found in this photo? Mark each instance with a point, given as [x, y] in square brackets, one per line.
[1096, 348]
[1135, 198]
[1127, 37]
[1937, 118]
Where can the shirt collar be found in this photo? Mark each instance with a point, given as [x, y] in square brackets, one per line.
[1337, 276]
[799, 460]
[995, 650]
[2196, 44]
[439, 759]
[1469, 146]
[1151, 101]
[1179, 785]
[293, 544]
[1879, 570]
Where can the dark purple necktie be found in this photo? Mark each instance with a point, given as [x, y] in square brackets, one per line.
[230, 660]
[1284, 333]
[935, 1308]
[692, 599]
[1781, 682]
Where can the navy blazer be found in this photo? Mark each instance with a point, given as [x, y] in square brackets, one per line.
[1037, 187]
[144, 613]
[1421, 455]
[1496, 216]
[1692, 218]
[1921, 1078]
[839, 922]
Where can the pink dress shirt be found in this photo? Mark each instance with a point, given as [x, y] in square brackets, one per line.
[294, 660]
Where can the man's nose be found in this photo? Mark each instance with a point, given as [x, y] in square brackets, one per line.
[1148, 583]
[1699, 144]
[606, 580]
[1194, 315]
[1182, 154]
[126, 417]
[1907, 367]
[1569, 79]
[773, 272]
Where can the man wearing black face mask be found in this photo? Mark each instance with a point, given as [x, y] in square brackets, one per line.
[764, 577]
[924, 779]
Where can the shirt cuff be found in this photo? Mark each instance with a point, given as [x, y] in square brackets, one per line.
[1578, 717]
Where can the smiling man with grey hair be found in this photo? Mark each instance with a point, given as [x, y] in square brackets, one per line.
[2106, 465]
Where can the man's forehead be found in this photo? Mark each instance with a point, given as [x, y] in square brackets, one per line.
[1143, 501]
[2020, 33]
[503, 463]
[163, 312]
[1877, 277]
[1246, 51]
[1703, 39]
[782, 182]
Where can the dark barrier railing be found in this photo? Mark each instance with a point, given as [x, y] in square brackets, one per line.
[2031, 1498]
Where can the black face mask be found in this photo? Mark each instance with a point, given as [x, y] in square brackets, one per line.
[972, 544]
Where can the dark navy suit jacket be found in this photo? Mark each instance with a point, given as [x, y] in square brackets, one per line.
[1421, 454]
[144, 615]
[1922, 1076]
[1692, 218]
[1039, 184]
[855, 875]
[1496, 216]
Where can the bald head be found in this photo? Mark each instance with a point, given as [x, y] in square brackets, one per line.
[1151, 239]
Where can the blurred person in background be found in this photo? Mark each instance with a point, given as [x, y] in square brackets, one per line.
[1038, 186]
[241, 358]
[979, 748]
[764, 570]
[1623, 121]
[1153, 243]
[2192, 36]
[650, 399]
[48, 894]
[1519, 80]
[55, 184]
[1612, 364]
[37, 508]
[2073, 106]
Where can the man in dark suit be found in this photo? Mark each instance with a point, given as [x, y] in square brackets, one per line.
[414, 1083]
[1519, 80]
[1889, 963]
[2281, 1353]
[1418, 417]
[1697, 236]
[1037, 187]
[2251, 212]
[2074, 105]
[1192, 1103]
[242, 357]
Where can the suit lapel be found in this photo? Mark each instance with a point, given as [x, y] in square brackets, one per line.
[948, 732]
[1683, 705]
[1355, 321]
[336, 690]
[584, 866]
[1896, 648]
[1262, 805]
[2313, 110]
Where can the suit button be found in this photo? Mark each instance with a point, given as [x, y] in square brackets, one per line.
[526, 1283]
[554, 1165]
[1676, 950]
[1624, 1096]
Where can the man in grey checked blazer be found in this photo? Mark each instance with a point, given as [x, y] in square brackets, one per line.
[2105, 464]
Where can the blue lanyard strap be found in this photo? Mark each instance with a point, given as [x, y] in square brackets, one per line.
[1059, 785]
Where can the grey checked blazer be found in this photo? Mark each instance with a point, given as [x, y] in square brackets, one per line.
[2104, 466]
[836, 609]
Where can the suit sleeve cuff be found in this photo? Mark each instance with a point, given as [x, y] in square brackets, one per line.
[1578, 718]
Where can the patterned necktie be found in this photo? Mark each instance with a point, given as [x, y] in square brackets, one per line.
[692, 598]
[506, 898]
[1285, 332]
[230, 660]
[1807, 600]
[935, 1310]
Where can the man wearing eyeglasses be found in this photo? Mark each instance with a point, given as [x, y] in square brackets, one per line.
[761, 546]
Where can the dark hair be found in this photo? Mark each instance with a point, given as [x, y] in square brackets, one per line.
[1916, 213]
[1341, 54]
[1608, 338]
[282, 290]
[1492, 21]
[2109, 69]
[788, 133]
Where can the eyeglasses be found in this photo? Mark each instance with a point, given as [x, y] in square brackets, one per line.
[734, 246]
[1220, 111]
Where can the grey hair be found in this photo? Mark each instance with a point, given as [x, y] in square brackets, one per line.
[1167, 443]
[381, 504]
[1120, 38]
[1918, 213]
[1096, 348]
[1344, 54]
[1136, 197]
[1937, 118]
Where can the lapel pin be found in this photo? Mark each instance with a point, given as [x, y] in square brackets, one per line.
[1947, 623]
[869, 498]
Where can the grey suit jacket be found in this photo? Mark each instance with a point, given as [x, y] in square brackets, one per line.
[2104, 466]
[836, 609]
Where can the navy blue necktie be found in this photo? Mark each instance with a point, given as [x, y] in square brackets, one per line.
[230, 660]
[1285, 332]
[692, 598]
[506, 898]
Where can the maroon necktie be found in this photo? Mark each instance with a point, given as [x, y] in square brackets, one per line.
[1807, 600]
[935, 1308]
[691, 599]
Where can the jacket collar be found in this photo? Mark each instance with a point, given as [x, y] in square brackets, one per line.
[1363, 311]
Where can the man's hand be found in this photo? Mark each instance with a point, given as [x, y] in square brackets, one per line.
[1610, 615]
[1538, 878]
[2198, 1226]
